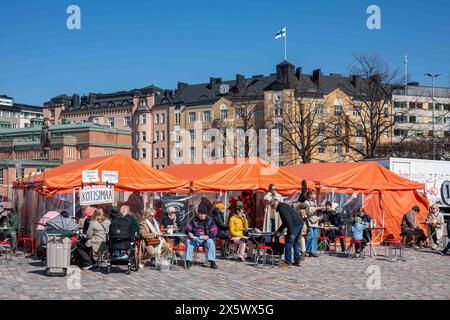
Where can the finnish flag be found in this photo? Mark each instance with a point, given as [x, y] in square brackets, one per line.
[281, 34]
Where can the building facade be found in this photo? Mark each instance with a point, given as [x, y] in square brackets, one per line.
[126, 110]
[21, 152]
[17, 115]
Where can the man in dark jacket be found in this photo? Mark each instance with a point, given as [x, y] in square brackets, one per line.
[291, 220]
[120, 232]
[125, 211]
[11, 216]
[222, 227]
[201, 231]
[334, 218]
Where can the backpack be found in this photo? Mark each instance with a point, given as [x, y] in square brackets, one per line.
[120, 228]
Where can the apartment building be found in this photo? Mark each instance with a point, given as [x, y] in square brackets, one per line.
[17, 115]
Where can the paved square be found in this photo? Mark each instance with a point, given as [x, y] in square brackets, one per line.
[425, 275]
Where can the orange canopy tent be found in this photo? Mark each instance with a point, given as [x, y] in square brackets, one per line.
[249, 174]
[132, 175]
[396, 195]
[196, 171]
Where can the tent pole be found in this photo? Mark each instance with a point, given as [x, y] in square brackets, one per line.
[74, 203]
[226, 206]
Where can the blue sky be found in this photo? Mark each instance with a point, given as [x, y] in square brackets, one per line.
[130, 44]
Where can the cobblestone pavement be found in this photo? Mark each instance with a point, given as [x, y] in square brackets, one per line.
[425, 275]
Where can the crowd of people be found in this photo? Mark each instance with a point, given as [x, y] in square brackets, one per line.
[300, 224]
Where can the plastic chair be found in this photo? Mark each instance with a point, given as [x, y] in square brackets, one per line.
[173, 255]
[392, 246]
[24, 237]
[5, 249]
[323, 242]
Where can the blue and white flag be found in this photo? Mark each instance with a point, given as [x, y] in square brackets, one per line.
[281, 34]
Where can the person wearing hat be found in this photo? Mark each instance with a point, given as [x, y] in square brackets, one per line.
[222, 227]
[357, 229]
[10, 217]
[201, 231]
[88, 213]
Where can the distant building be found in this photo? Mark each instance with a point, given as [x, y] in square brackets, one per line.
[129, 110]
[17, 115]
[21, 154]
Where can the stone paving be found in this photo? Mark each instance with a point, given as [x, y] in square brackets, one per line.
[425, 275]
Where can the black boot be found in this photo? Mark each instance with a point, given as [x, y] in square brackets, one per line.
[213, 265]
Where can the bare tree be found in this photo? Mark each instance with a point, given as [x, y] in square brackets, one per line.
[368, 120]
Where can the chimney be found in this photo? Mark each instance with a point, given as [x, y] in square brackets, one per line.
[240, 83]
[376, 78]
[286, 74]
[76, 100]
[316, 77]
[298, 73]
[355, 80]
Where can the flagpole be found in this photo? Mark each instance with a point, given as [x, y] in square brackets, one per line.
[285, 40]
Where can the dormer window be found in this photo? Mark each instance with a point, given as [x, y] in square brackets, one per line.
[97, 105]
[143, 103]
[110, 104]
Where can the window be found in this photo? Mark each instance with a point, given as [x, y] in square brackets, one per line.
[71, 153]
[177, 136]
[321, 148]
[207, 152]
[223, 114]
[143, 119]
[52, 113]
[338, 110]
[279, 127]
[419, 133]
[192, 117]
[14, 125]
[338, 148]
[319, 109]
[400, 104]
[338, 130]
[356, 111]
[400, 119]
[321, 129]
[416, 105]
[156, 153]
[177, 117]
[386, 112]
[191, 135]
[157, 119]
[127, 121]
[144, 135]
[412, 119]
[281, 163]
[111, 122]
[177, 153]
[163, 118]
[359, 147]
[419, 119]
[27, 125]
[1, 176]
[157, 135]
[7, 114]
[240, 113]
[280, 148]
[359, 130]
[207, 116]
[259, 112]
[163, 152]
[162, 135]
[144, 153]
[192, 152]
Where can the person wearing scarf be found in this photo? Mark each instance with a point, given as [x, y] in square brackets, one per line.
[435, 222]
[152, 244]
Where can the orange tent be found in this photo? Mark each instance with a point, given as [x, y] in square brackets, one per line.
[195, 171]
[133, 175]
[387, 196]
[249, 174]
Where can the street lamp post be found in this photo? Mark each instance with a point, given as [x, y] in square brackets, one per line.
[433, 76]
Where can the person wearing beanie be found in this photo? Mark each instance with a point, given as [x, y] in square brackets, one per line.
[202, 231]
[88, 213]
[218, 212]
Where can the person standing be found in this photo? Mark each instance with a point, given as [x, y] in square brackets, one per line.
[314, 217]
[435, 222]
[291, 221]
[271, 220]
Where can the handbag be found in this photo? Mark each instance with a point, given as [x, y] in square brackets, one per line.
[152, 242]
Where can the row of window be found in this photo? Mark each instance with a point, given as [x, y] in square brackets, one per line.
[22, 115]
[420, 133]
[420, 119]
[420, 105]
[159, 153]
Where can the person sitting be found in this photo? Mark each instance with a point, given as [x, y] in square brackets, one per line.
[367, 234]
[120, 234]
[410, 227]
[237, 225]
[88, 213]
[201, 231]
[222, 227]
[97, 233]
[334, 218]
[125, 211]
[170, 221]
[435, 222]
[357, 229]
[10, 217]
[152, 243]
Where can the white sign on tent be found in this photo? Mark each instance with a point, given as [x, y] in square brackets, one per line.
[110, 176]
[96, 195]
[89, 176]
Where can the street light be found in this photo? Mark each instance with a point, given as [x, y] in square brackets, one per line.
[433, 76]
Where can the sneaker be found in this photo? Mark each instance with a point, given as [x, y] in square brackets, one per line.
[297, 264]
[188, 264]
[213, 265]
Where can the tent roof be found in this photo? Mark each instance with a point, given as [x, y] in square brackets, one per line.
[250, 174]
[367, 175]
[133, 175]
[195, 171]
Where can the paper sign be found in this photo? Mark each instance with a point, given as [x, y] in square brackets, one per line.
[110, 176]
[96, 195]
[90, 176]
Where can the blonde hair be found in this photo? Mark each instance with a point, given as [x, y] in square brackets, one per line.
[99, 215]
[147, 213]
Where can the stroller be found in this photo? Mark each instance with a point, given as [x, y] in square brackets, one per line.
[122, 249]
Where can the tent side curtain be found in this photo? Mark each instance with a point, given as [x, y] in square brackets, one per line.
[133, 176]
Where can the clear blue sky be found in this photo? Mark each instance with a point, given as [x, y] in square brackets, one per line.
[130, 44]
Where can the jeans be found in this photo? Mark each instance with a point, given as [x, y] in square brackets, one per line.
[196, 242]
[297, 233]
[332, 237]
[311, 240]
[13, 236]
